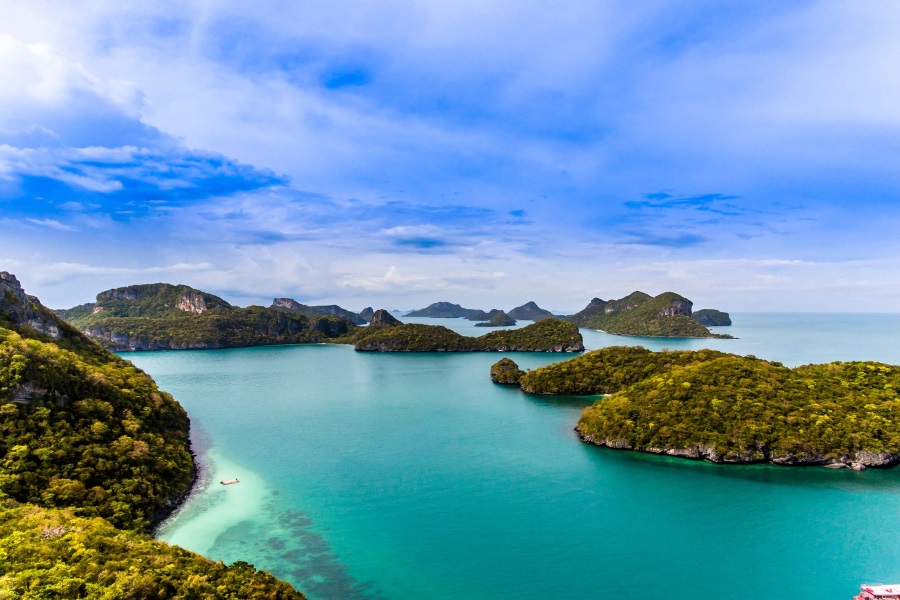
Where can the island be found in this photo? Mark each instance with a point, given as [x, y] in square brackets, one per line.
[92, 455]
[530, 312]
[548, 335]
[639, 314]
[444, 310]
[162, 316]
[497, 319]
[726, 408]
[710, 317]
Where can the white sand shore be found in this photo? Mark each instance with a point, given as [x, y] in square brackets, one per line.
[213, 508]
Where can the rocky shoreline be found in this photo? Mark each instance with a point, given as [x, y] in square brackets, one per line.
[860, 461]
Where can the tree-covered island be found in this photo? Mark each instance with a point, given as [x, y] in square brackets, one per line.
[730, 409]
[639, 314]
[547, 335]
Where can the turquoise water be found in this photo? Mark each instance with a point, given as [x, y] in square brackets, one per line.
[412, 476]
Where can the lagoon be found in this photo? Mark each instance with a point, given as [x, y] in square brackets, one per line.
[396, 476]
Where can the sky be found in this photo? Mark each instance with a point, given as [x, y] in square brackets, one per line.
[396, 153]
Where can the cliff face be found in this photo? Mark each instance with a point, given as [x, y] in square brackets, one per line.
[21, 310]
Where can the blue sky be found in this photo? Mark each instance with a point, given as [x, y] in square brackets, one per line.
[397, 153]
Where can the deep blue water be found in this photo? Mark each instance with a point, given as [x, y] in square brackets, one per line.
[412, 476]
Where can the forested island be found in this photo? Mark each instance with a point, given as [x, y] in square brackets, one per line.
[639, 314]
[92, 454]
[161, 316]
[548, 335]
[728, 409]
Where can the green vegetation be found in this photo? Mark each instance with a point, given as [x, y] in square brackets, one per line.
[549, 335]
[666, 315]
[50, 553]
[607, 371]
[506, 371]
[730, 408]
[166, 317]
[92, 452]
[89, 432]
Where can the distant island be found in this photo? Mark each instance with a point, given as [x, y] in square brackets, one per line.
[161, 316]
[292, 306]
[726, 408]
[93, 453]
[639, 314]
[497, 318]
[445, 310]
[548, 335]
[710, 317]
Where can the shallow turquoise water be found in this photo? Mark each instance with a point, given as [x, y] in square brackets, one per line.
[412, 476]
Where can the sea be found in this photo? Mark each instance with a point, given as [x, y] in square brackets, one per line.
[412, 476]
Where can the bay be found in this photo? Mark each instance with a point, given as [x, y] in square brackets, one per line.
[412, 476]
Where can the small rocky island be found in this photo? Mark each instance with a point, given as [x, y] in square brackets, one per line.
[639, 314]
[726, 408]
[548, 335]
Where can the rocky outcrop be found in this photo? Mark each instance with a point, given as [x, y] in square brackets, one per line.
[366, 314]
[506, 372]
[192, 301]
[382, 318]
[529, 311]
[21, 310]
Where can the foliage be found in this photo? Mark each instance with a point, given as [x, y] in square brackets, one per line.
[506, 371]
[50, 553]
[89, 431]
[607, 371]
[747, 409]
[666, 315]
[165, 317]
[549, 335]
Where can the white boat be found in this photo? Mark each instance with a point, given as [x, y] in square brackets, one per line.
[878, 591]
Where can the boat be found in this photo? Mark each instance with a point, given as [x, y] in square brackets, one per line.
[229, 481]
[878, 591]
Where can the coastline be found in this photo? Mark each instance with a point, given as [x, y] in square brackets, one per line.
[862, 461]
[199, 446]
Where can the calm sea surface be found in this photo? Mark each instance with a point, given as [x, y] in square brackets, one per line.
[369, 475]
